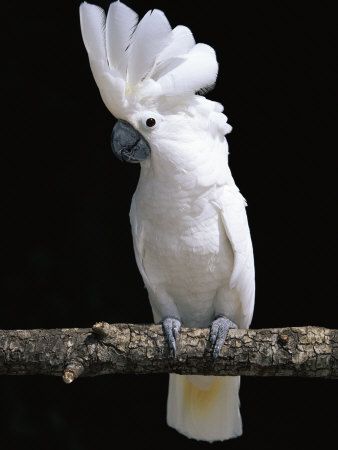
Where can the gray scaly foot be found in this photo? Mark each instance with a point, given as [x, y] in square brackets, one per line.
[171, 329]
[218, 332]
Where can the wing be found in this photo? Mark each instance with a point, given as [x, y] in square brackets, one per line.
[232, 210]
[138, 241]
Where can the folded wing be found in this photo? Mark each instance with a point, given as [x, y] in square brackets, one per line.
[232, 210]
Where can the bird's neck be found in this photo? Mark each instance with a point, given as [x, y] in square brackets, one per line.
[189, 167]
[182, 185]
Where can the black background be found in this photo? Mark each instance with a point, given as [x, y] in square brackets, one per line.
[66, 243]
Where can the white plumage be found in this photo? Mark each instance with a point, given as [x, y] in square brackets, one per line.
[121, 22]
[191, 236]
[154, 28]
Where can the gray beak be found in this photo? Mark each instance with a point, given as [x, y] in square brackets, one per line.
[128, 144]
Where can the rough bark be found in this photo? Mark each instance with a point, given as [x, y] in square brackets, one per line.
[141, 349]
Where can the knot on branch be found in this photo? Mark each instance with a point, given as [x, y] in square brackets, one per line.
[283, 339]
[72, 371]
[101, 329]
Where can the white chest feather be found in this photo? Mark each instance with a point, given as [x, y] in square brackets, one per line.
[185, 250]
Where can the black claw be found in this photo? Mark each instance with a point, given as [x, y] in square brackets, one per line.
[171, 328]
[218, 333]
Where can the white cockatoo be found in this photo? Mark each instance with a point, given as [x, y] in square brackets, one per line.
[190, 231]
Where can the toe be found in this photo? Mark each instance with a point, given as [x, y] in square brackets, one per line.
[218, 333]
[216, 350]
[213, 333]
[176, 331]
[173, 346]
[171, 328]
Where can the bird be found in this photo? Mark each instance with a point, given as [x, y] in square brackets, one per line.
[188, 218]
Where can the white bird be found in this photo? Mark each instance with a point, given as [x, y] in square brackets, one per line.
[190, 231]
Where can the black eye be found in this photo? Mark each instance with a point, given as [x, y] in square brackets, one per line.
[150, 122]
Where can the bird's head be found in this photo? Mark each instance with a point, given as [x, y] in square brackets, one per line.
[148, 75]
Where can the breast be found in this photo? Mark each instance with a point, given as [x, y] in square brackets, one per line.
[199, 251]
[190, 263]
[183, 245]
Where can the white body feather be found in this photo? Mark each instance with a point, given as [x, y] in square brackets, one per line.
[182, 244]
[191, 237]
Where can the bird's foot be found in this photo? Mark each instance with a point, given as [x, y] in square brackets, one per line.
[218, 332]
[171, 329]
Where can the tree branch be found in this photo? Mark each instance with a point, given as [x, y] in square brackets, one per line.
[141, 349]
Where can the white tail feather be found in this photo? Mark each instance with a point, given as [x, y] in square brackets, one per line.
[204, 408]
[121, 22]
[149, 39]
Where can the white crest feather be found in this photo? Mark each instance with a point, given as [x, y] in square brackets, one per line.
[182, 41]
[93, 19]
[166, 66]
[151, 36]
[121, 22]
[150, 60]
[198, 71]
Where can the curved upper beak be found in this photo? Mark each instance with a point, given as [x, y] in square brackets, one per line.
[128, 144]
